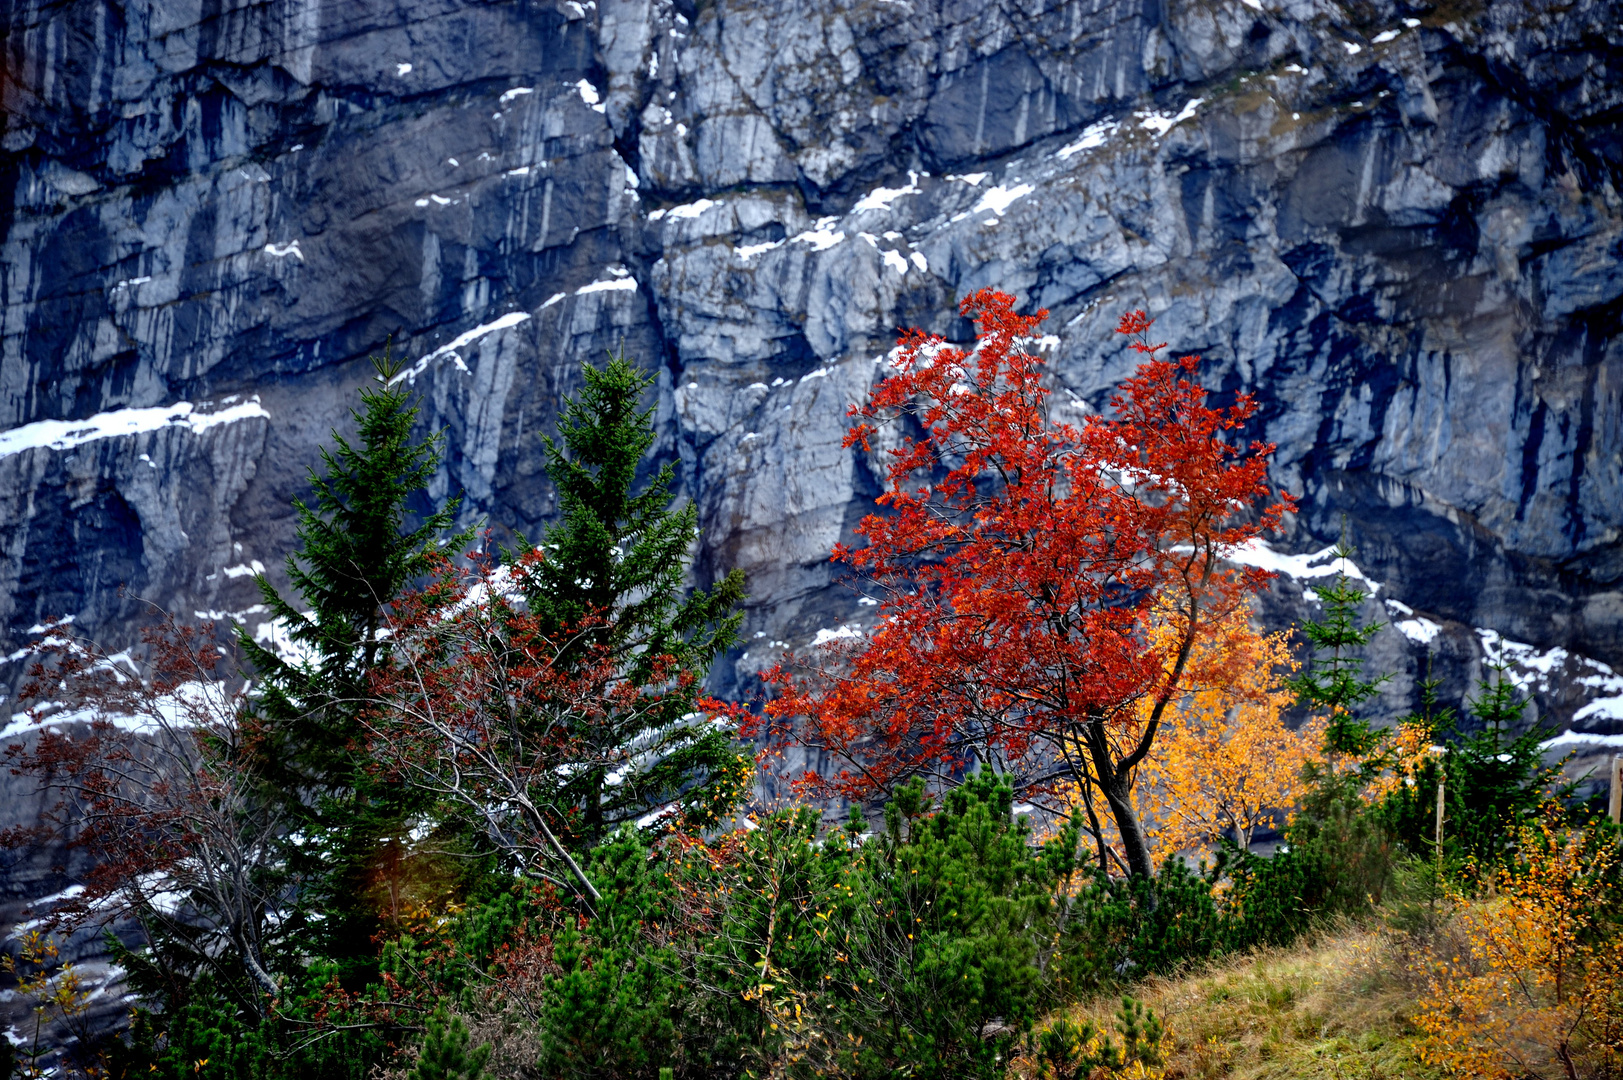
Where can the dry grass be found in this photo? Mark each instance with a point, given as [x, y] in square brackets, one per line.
[1333, 1007]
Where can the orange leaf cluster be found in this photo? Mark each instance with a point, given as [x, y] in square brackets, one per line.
[1227, 764]
[1537, 989]
[1020, 566]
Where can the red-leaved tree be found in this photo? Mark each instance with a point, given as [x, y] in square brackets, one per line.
[155, 767]
[1022, 565]
[494, 711]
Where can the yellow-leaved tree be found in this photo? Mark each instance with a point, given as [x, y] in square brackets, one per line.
[1536, 987]
[1227, 764]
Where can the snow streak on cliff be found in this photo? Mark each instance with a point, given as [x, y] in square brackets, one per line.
[1398, 225]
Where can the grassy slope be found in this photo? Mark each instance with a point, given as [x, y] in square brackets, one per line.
[1330, 1007]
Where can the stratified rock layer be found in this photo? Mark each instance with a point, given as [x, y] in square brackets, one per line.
[1397, 226]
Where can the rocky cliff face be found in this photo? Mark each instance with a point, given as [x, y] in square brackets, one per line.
[1397, 224]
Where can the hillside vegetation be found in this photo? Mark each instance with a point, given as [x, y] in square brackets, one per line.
[1336, 1005]
[469, 812]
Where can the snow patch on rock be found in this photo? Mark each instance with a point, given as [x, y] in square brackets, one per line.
[1000, 198]
[1094, 135]
[461, 341]
[845, 630]
[1318, 564]
[68, 434]
[880, 198]
[1158, 123]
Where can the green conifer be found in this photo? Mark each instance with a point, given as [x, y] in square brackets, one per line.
[1333, 680]
[1496, 776]
[620, 558]
[1341, 853]
[355, 556]
[1433, 717]
[356, 553]
[446, 1054]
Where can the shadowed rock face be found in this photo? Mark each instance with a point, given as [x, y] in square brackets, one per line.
[1398, 227]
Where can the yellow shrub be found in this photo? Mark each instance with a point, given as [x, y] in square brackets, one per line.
[1537, 987]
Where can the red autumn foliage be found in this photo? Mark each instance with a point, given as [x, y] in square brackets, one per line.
[487, 708]
[153, 766]
[1021, 564]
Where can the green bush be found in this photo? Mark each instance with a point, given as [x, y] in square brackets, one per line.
[1336, 861]
[1067, 1051]
[611, 1009]
[1122, 929]
[206, 1035]
[446, 1055]
[927, 950]
[1494, 781]
[952, 939]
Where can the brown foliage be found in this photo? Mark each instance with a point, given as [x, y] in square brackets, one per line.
[153, 765]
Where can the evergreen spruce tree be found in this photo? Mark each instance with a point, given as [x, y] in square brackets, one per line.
[1333, 680]
[616, 563]
[1408, 812]
[1433, 717]
[356, 554]
[1495, 778]
[1340, 855]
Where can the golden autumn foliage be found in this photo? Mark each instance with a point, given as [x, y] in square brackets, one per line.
[1226, 762]
[55, 987]
[1533, 984]
[1407, 748]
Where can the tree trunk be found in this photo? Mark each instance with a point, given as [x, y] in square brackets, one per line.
[586, 887]
[257, 972]
[1115, 782]
[1133, 843]
[1098, 833]
[594, 806]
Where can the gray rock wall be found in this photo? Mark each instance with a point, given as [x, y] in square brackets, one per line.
[1397, 225]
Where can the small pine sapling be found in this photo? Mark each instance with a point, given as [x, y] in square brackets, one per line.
[1494, 778]
[1080, 1051]
[1497, 778]
[446, 1054]
[1333, 679]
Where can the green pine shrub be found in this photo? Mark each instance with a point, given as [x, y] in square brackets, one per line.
[1495, 779]
[611, 1009]
[953, 940]
[1081, 1051]
[446, 1054]
[1122, 929]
